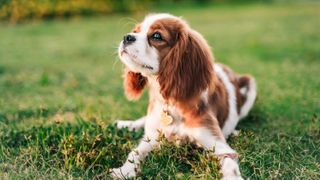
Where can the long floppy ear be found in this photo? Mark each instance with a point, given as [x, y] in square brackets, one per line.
[133, 84]
[187, 69]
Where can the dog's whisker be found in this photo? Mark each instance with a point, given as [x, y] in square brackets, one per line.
[129, 21]
[114, 63]
[114, 45]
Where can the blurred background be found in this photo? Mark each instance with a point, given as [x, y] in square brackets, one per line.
[19, 10]
[61, 86]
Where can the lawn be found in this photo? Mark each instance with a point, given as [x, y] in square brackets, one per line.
[61, 90]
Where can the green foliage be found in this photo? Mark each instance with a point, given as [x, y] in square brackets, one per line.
[18, 10]
[61, 90]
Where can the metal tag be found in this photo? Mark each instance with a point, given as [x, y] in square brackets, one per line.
[166, 119]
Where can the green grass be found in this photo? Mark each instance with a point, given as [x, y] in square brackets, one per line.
[61, 90]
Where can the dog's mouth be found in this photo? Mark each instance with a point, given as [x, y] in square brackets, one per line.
[123, 51]
[133, 59]
[144, 66]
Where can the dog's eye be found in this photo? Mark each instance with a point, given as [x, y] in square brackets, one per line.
[156, 36]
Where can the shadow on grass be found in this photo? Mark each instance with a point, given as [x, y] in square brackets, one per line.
[254, 120]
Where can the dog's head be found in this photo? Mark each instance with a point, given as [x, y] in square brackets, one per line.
[164, 46]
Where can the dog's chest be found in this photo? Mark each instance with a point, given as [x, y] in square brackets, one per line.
[169, 121]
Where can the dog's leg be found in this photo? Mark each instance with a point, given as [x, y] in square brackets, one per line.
[131, 166]
[228, 157]
[132, 125]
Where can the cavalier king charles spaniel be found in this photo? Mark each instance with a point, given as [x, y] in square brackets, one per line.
[190, 97]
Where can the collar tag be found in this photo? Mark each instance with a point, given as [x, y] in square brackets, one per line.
[166, 118]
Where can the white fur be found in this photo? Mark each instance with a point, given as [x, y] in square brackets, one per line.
[139, 54]
[150, 19]
[204, 96]
[243, 90]
[233, 118]
[251, 97]
[132, 125]
[230, 169]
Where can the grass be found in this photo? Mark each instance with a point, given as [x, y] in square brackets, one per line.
[61, 90]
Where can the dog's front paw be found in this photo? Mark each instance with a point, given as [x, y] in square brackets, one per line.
[124, 172]
[230, 170]
[126, 124]
[232, 177]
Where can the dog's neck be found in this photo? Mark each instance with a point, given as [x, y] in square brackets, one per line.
[154, 88]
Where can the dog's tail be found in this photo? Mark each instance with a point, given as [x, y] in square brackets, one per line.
[248, 91]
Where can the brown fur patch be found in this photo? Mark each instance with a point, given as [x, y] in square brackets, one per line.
[218, 102]
[133, 84]
[169, 30]
[185, 60]
[197, 114]
[244, 81]
[233, 77]
[137, 28]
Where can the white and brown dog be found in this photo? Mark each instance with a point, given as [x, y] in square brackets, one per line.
[190, 97]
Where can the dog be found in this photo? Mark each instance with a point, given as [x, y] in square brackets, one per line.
[190, 96]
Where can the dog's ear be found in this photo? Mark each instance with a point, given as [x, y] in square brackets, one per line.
[187, 69]
[133, 84]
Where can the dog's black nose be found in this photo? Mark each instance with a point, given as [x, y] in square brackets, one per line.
[128, 39]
